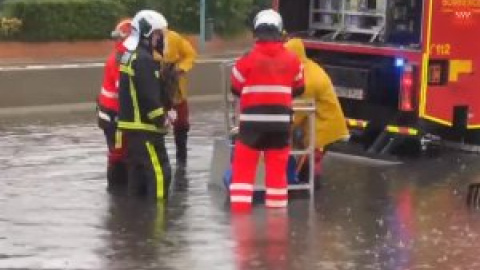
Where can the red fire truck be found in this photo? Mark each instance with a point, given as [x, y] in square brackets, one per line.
[404, 70]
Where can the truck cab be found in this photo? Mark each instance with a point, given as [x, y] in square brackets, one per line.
[404, 70]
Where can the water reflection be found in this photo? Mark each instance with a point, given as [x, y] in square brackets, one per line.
[136, 229]
[261, 242]
[56, 213]
[180, 182]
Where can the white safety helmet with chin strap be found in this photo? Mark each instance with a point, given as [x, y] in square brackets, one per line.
[143, 25]
[268, 17]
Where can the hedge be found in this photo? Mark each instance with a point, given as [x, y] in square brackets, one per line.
[9, 27]
[47, 20]
[50, 20]
[229, 16]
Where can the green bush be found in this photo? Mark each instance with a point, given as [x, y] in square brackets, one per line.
[9, 27]
[46, 20]
[232, 17]
[229, 16]
[182, 15]
[132, 6]
[59, 20]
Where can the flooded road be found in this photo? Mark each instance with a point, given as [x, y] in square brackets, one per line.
[56, 214]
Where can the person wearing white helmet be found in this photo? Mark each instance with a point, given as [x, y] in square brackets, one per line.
[268, 25]
[266, 80]
[145, 24]
[143, 107]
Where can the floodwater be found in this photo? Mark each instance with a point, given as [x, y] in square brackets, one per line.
[56, 214]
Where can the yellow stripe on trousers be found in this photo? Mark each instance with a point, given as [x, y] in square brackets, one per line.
[157, 168]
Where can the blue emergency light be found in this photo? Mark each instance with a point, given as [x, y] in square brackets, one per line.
[399, 62]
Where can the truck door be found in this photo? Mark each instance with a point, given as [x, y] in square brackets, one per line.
[450, 93]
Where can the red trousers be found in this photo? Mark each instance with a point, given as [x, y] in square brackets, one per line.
[182, 122]
[245, 161]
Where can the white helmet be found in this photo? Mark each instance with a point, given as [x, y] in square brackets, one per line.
[143, 24]
[269, 17]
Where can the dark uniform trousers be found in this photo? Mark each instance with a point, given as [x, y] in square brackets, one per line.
[116, 168]
[181, 127]
[149, 171]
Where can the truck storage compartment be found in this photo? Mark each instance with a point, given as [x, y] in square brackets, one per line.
[369, 89]
[368, 86]
[388, 22]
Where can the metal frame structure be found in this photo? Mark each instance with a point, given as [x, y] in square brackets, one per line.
[344, 12]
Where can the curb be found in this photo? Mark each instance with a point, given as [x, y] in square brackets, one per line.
[82, 107]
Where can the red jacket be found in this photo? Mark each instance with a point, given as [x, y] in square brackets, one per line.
[108, 97]
[266, 79]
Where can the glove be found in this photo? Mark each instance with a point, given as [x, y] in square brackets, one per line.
[160, 121]
[170, 118]
[172, 115]
[234, 130]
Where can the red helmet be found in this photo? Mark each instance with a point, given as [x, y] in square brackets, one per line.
[123, 29]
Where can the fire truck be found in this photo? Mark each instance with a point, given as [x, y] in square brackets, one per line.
[404, 70]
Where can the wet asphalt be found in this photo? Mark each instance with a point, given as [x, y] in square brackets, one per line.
[55, 212]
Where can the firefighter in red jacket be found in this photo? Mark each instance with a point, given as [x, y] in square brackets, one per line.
[108, 109]
[266, 79]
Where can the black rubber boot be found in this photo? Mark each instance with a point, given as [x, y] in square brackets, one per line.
[117, 178]
[181, 137]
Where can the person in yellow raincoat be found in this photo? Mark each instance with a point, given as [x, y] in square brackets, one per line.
[330, 124]
[177, 51]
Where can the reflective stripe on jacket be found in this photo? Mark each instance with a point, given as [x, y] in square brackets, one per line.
[108, 96]
[141, 95]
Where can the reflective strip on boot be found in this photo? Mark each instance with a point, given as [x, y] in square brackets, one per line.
[277, 191]
[276, 197]
[241, 187]
[241, 199]
[276, 203]
[241, 193]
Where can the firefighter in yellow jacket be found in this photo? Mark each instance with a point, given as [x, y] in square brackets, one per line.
[177, 51]
[330, 125]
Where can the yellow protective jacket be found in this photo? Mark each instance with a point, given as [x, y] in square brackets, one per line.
[180, 52]
[330, 122]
